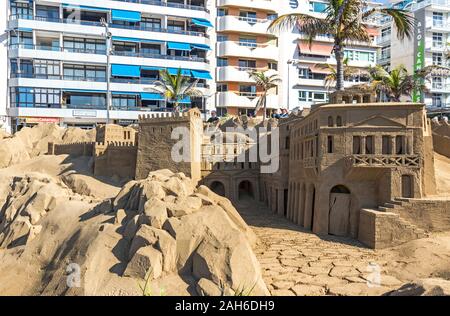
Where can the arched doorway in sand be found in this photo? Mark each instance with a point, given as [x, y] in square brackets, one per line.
[218, 188]
[246, 190]
[339, 214]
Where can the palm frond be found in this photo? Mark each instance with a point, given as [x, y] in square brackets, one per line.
[402, 19]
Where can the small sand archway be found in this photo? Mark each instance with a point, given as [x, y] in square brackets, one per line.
[246, 190]
[218, 188]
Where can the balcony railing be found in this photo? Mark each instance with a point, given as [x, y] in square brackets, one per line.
[160, 30]
[115, 53]
[383, 161]
[168, 4]
[113, 25]
[159, 56]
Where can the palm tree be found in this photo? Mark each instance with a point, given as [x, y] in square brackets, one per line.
[265, 82]
[175, 87]
[398, 82]
[345, 21]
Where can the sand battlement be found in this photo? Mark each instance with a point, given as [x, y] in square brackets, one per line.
[168, 116]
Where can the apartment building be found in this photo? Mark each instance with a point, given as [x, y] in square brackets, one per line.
[244, 45]
[301, 64]
[430, 46]
[57, 67]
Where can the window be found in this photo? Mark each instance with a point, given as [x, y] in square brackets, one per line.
[74, 44]
[247, 90]
[79, 100]
[247, 41]
[399, 145]
[302, 96]
[339, 121]
[175, 26]
[438, 19]
[437, 59]
[47, 13]
[247, 64]
[437, 40]
[46, 68]
[222, 62]
[385, 52]
[303, 72]
[151, 49]
[249, 16]
[437, 83]
[222, 12]
[124, 47]
[386, 145]
[369, 145]
[330, 144]
[84, 72]
[222, 38]
[151, 23]
[356, 145]
[124, 102]
[26, 68]
[330, 121]
[317, 6]
[386, 33]
[22, 97]
[355, 55]
[272, 66]
[272, 16]
[222, 87]
[436, 100]
[311, 96]
[24, 10]
[47, 98]
[26, 39]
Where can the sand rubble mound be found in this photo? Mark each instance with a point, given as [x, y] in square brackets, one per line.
[32, 142]
[173, 227]
[182, 239]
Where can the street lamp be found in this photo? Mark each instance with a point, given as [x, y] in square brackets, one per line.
[108, 68]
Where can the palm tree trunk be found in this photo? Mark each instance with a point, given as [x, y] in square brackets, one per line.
[339, 55]
[265, 106]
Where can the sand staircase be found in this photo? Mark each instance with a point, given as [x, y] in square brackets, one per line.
[394, 207]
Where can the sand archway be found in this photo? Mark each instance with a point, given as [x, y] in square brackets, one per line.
[339, 214]
[246, 190]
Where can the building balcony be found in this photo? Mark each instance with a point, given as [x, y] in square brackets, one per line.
[237, 74]
[96, 29]
[385, 161]
[168, 4]
[441, 4]
[440, 87]
[439, 27]
[87, 113]
[268, 5]
[240, 49]
[99, 57]
[88, 84]
[230, 23]
[243, 100]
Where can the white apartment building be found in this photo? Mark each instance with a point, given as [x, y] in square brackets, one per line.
[55, 61]
[430, 46]
[300, 65]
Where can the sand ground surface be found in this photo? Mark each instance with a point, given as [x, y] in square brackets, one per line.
[296, 262]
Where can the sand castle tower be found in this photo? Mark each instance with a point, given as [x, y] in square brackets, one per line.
[161, 134]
